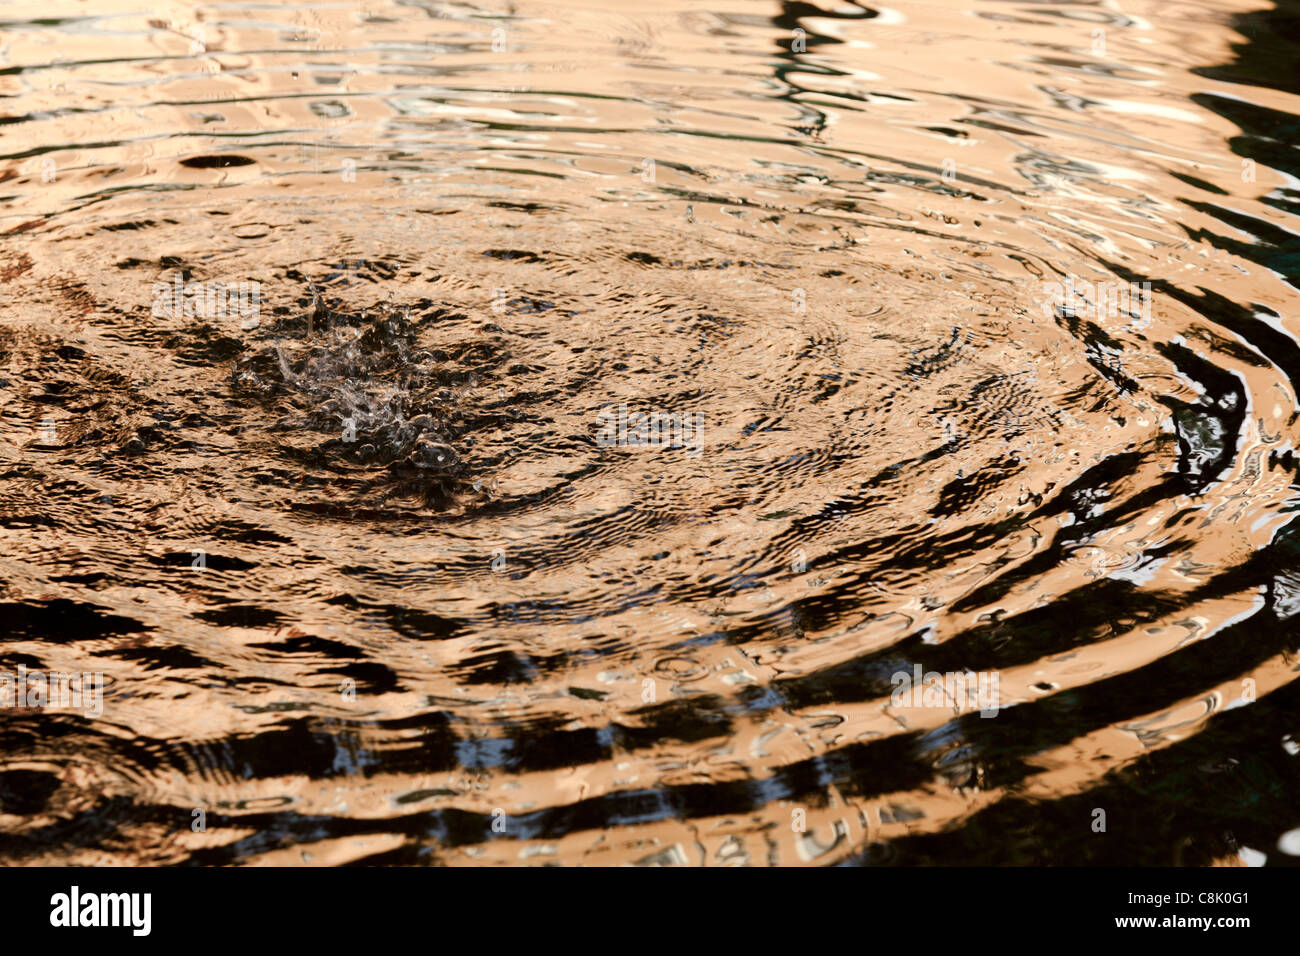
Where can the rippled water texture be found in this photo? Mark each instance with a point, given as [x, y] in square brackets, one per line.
[361, 539]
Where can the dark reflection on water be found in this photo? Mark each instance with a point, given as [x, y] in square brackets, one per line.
[375, 569]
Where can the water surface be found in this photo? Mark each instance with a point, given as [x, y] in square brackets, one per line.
[373, 576]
